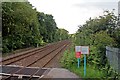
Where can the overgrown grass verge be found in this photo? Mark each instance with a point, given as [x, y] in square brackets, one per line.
[90, 72]
[69, 61]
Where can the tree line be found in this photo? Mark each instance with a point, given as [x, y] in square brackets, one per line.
[23, 26]
[97, 33]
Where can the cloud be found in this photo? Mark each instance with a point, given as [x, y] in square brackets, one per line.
[68, 14]
[100, 5]
[99, 0]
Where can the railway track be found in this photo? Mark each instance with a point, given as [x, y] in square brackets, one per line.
[38, 58]
[15, 58]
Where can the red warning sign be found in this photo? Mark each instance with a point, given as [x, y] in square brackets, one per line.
[78, 54]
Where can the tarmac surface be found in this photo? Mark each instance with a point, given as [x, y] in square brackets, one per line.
[60, 73]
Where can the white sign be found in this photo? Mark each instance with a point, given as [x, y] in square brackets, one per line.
[85, 50]
[82, 49]
[77, 48]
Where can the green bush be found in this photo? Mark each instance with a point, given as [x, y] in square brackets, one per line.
[69, 61]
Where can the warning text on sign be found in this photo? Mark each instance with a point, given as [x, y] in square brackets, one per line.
[82, 49]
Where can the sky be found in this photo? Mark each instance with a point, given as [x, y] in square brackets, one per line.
[69, 14]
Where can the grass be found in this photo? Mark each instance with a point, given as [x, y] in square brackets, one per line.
[69, 61]
[90, 72]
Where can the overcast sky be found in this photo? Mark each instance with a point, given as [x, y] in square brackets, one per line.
[68, 14]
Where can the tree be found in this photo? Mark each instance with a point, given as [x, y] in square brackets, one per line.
[61, 34]
[20, 26]
[48, 28]
[98, 33]
[24, 27]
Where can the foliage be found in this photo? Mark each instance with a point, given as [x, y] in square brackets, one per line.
[98, 48]
[49, 31]
[116, 36]
[69, 61]
[63, 34]
[20, 26]
[48, 28]
[25, 27]
[98, 33]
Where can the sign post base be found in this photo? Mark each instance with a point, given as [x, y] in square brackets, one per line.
[78, 62]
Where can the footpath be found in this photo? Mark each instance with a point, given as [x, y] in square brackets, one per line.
[60, 73]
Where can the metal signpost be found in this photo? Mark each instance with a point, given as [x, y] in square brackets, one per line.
[82, 50]
[78, 54]
[85, 50]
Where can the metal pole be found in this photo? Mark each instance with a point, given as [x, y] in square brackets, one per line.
[84, 64]
[78, 62]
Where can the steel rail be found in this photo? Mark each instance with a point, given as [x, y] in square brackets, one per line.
[34, 62]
